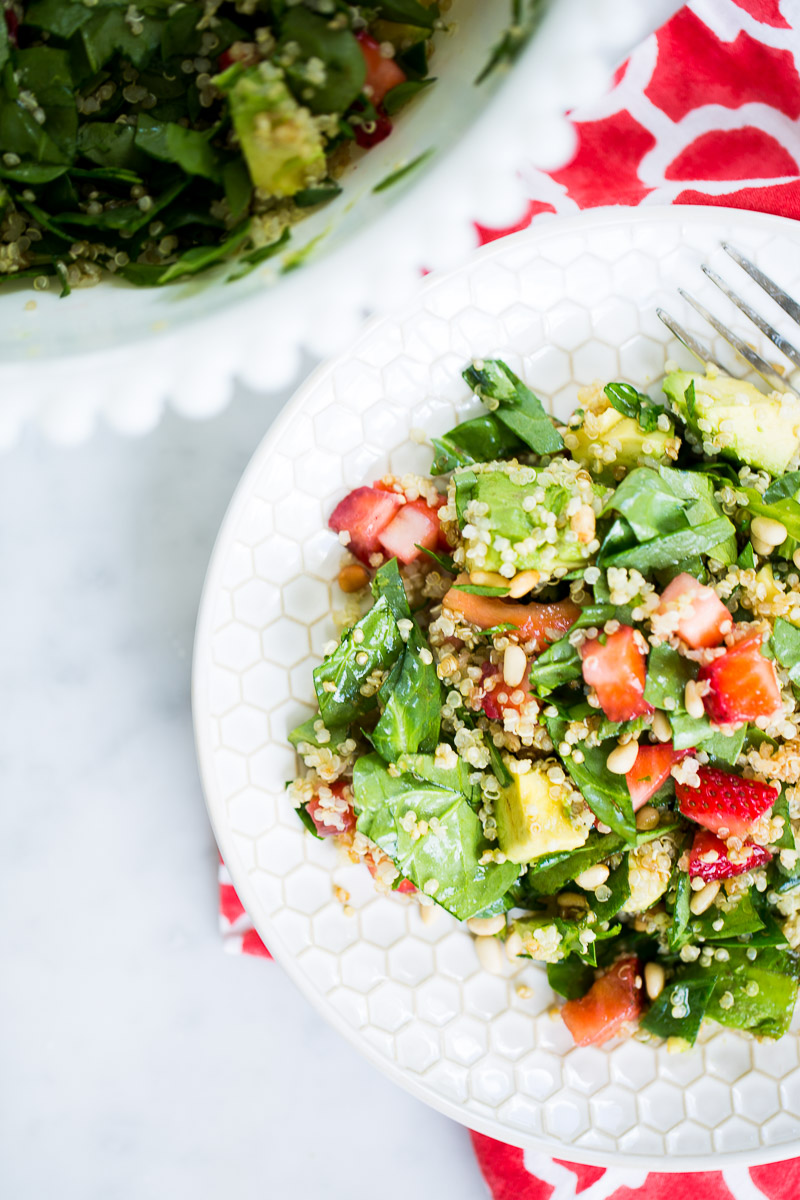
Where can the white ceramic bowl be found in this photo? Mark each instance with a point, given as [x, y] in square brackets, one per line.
[566, 303]
[121, 352]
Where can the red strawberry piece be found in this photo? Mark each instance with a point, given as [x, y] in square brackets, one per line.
[374, 131]
[383, 74]
[651, 769]
[743, 684]
[364, 514]
[496, 701]
[406, 887]
[612, 1002]
[708, 857]
[333, 815]
[725, 803]
[615, 667]
[245, 53]
[704, 619]
[416, 524]
[540, 623]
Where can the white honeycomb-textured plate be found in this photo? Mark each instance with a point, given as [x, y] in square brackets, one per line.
[564, 304]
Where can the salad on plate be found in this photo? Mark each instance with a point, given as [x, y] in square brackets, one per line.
[564, 703]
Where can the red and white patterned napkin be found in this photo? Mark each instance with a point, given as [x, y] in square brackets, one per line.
[705, 111]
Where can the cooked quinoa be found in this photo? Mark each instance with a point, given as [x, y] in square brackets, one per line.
[564, 705]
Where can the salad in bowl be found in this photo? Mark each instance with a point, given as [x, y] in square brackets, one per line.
[563, 706]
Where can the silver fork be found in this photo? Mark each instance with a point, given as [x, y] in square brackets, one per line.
[766, 370]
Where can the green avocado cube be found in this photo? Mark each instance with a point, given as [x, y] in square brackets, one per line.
[522, 518]
[732, 418]
[281, 143]
[534, 816]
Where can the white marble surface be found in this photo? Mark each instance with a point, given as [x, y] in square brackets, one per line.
[136, 1059]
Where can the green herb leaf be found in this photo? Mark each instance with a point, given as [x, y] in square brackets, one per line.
[516, 406]
[382, 645]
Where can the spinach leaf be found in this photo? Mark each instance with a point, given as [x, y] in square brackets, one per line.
[345, 67]
[571, 977]
[552, 872]
[781, 809]
[514, 404]
[403, 171]
[399, 96]
[768, 1011]
[389, 584]
[785, 644]
[446, 859]
[648, 504]
[717, 925]
[411, 704]
[408, 12]
[187, 148]
[670, 548]
[480, 589]
[351, 664]
[787, 487]
[668, 672]
[483, 439]
[687, 997]
[632, 403]
[786, 510]
[307, 734]
[619, 886]
[442, 560]
[678, 933]
[606, 794]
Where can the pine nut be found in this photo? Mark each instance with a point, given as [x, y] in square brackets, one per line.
[429, 913]
[622, 758]
[515, 664]
[592, 877]
[654, 979]
[486, 926]
[490, 954]
[763, 549]
[353, 578]
[571, 900]
[772, 533]
[647, 817]
[488, 579]
[583, 523]
[796, 558]
[522, 583]
[661, 726]
[703, 899]
[514, 946]
[693, 701]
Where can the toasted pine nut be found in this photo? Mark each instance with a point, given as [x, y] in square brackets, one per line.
[514, 946]
[647, 817]
[592, 877]
[515, 664]
[429, 913]
[703, 899]
[353, 578]
[761, 548]
[692, 701]
[796, 558]
[654, 979]
[622, 758]
[771, 532]
[661, 726]
[490, 954]
[583, 523]
[488, 579]
[571, 900]
[522, 583]
[486, 926]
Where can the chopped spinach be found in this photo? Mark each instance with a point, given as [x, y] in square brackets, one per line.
[514, 405]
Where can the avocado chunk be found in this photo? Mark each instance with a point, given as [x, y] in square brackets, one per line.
[280, 141]
[522, 518]
[732, 418]
[610, 443]
[534, 816]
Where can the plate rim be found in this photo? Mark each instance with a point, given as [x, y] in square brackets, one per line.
[548, 225]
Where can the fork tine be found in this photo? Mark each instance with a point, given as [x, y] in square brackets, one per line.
[777, 339]
[765, 370]
[786, 302]
[697, 348]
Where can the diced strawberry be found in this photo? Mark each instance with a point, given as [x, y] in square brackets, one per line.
[364, 514]
[492, 701]
[415, 524]
[383, 74]
[245, 53]
[406, 887]
[708, 857]
[374, 132]
[704, 619]
[539, 623]
[12, 24]
[615, 667]
[743, 684]
[332, 817]
[612, 1002]
[725, 803]
[651, 769]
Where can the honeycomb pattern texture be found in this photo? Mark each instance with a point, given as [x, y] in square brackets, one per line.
[567, 303]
